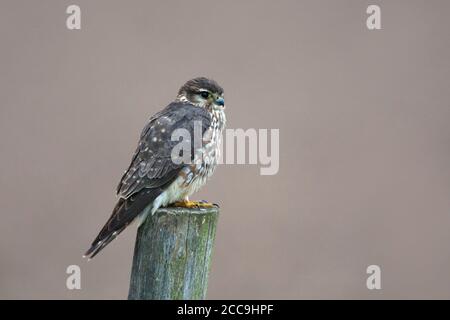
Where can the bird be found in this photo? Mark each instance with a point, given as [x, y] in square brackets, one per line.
[156, 177]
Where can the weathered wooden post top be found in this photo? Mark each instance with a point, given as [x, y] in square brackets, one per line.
[172, 254]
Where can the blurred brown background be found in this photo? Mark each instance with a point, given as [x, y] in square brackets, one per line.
[364, 121]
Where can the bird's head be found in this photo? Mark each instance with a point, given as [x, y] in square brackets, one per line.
[202, 92]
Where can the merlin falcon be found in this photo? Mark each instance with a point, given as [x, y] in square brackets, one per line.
[153, 178]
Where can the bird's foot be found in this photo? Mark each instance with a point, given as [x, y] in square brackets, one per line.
[193, 204]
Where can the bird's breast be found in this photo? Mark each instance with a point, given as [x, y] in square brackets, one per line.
[207, 157]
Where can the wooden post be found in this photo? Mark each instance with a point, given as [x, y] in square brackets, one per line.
[172, 254]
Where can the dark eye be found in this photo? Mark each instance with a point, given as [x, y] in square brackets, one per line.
[204, 94]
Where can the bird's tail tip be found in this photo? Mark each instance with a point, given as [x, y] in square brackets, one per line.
[85, 256]
[99, 245]
[93, 250]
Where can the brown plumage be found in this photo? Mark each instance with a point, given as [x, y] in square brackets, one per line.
[154, 178]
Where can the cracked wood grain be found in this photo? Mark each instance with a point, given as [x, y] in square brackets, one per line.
[172, 255]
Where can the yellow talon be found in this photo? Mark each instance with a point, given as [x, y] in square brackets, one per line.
[204, 205]
[193, 204]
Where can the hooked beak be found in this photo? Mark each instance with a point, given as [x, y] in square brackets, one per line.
[220, 102]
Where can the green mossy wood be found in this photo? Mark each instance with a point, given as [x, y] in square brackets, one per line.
[173, 253]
